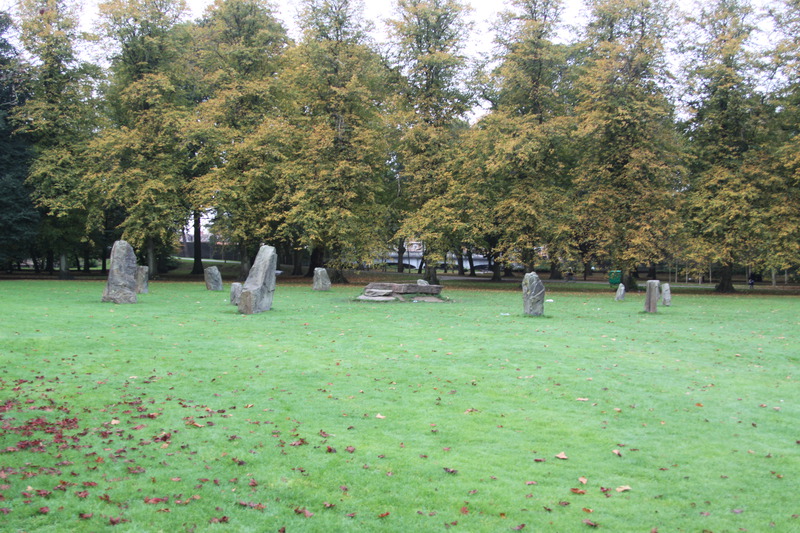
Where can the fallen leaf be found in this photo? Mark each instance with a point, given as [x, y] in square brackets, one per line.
[590, 523]
[587, 510]
[379, 416]
[562, 456]
[623, 488]
[519, 527]
[464, 510]
[617, 452]
[578, 491]
[383, 515]
[583, 480]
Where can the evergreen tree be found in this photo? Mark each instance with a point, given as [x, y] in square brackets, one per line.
[19, 218]
[58, 118]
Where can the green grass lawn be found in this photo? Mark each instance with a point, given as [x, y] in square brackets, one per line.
[325, 414]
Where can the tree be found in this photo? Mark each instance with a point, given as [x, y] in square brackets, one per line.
[19, 218]
[333, 184]
[627, 177]
[58, 118]
[240, 48]
[782, 247]
[142, 160]
[429, 36]
[725, 205]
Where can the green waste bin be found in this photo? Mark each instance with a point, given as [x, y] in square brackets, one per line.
[614, 278]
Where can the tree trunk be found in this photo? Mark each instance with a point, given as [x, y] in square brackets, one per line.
[197, 267]
[430, 275]
[317, 260]
[87, 259]
[555, 270]
[471, 261]
[497, 271]
[587, 271]
[244, 261]
[401, 251]
[422, 263]
[460, 259]
[337, 276]
[726, 279]
[50, 261]
[297, 263]
[651, 272]
[151, 258]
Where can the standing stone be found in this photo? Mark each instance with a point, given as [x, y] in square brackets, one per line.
[258, 290]
[533, 294]
[651, 298]
[236, 293]
[620, 297]
[142, 277]
[666, 295]
[121, 285]
[213, 279]
[321, 280]
[422, 283]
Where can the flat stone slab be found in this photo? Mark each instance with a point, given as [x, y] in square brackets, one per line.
[390, 292]
[405, 288]
[365, 298]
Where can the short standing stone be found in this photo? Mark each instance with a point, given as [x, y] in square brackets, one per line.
[533, 294]
[322, 282]
[142, 277]
[666, 295]
[259, 289]
[121, 285]
[422, 283]
[213, 279]
[651, 297]
[620, 297]
[236, 293]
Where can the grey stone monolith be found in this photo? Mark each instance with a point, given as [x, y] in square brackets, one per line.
[213, 278]
[322, 282]
[142, 279]
[620, 296]
[533, 294]
[259, 288]
[121, 285]
[236, 293]
[422, 283]
[666, 295]
[651, 297]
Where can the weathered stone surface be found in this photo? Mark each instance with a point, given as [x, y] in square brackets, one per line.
[651, 297]
[620, 296]
[121, 285]
[213, 278]
[422, 282]
[142, 280]
[366, 298]
[322, 282]
[259, 289]
[385, 292]
[533, 294]
[666, 295]
[377, 292]
[236, 293]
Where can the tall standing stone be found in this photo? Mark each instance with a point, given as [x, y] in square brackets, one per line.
[121, 285]
[142, 277]
[620, 297]
[666, 295]
[213, 278]
[259, 288]
[322, 282]
[236, 293]
[533, 294]
[651, 297]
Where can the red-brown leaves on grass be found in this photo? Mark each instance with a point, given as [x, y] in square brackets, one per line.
[350, 449]
[518, 528]
[562, 456]
[450, 470]
[384, 515]
[44, 510]
[116, 520]
[331, 449]
[301, 442]
[464, 510]
[82, 493]
[5, 510]
[328, 505]
[220, 520]
[578, 491]
[85, 516]
[155, 500]
[251, 505]
[303, 511]
[590, 523]
[323, 434]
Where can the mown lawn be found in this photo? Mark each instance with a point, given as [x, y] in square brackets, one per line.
[325, 414]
